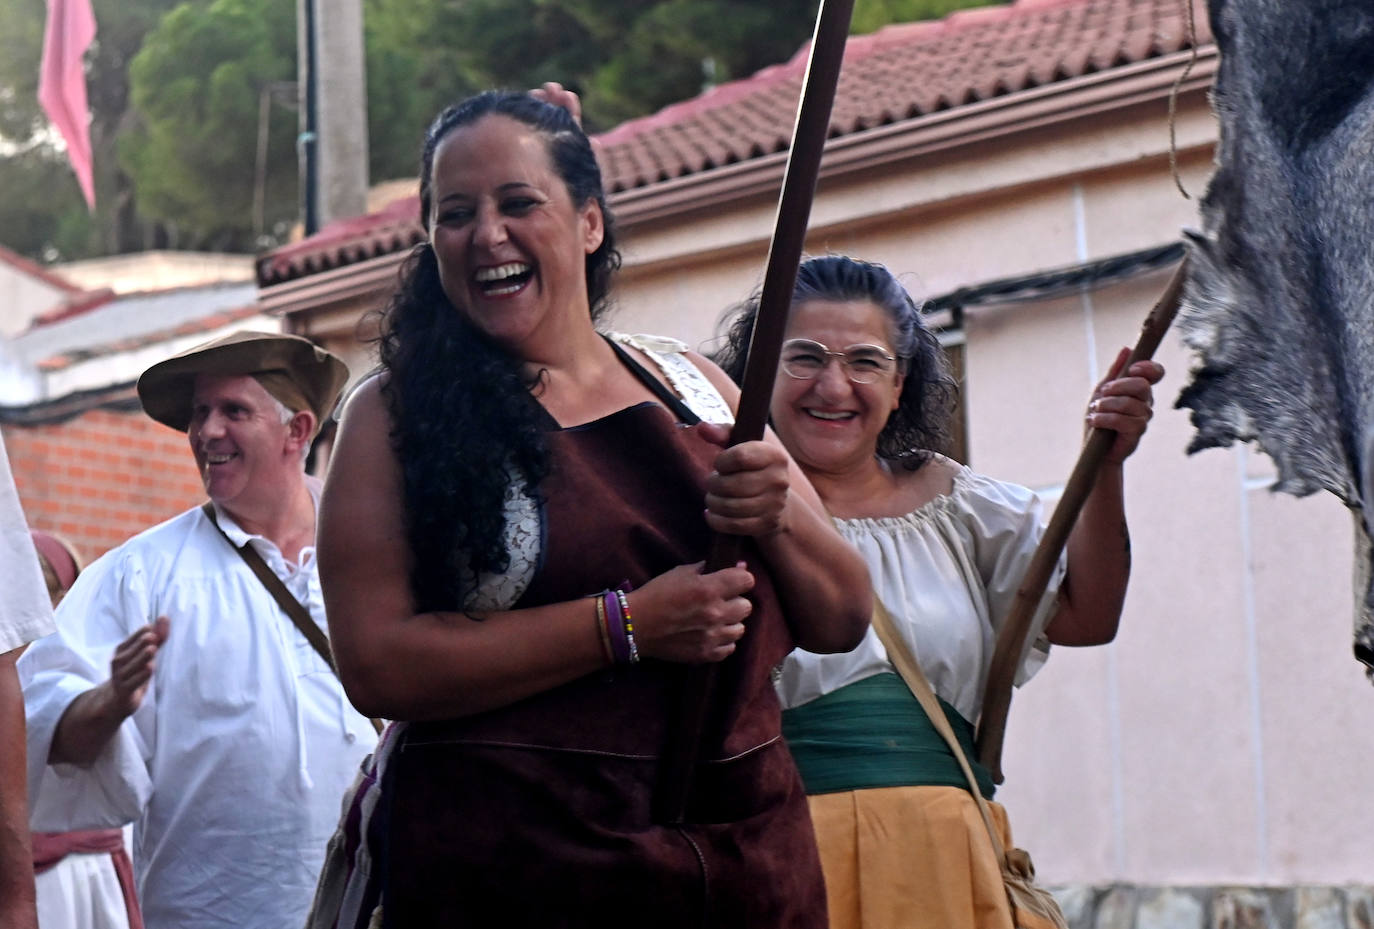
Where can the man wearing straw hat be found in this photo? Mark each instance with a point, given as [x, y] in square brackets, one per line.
[186, 690]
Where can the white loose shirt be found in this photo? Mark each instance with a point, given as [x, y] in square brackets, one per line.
[25, 610]
[948, 573]
[234, 766]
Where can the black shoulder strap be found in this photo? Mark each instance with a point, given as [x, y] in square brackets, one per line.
[669, 399]
[299, 615]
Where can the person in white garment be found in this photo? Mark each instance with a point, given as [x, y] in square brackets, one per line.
[25, 615]
[178, 694]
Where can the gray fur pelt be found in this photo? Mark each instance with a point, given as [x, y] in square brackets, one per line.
[1279, 304]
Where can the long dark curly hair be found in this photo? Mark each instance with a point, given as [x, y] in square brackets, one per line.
[461, 406]
[921, 422]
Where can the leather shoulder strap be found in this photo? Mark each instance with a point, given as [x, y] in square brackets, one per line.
[672, 401]
[299, 615]
[910, 670]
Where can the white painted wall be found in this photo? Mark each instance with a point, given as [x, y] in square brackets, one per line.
[22, 297]
[157, 270]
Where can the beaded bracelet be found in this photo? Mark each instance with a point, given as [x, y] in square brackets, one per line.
[602, 629]
[629, 625]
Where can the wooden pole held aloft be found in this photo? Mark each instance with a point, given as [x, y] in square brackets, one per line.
[1011, 639]
[765, 345]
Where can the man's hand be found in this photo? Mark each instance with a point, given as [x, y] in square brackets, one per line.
[131, 668]
[93, 718]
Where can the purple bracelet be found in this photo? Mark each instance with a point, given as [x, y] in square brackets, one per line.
[615, 626]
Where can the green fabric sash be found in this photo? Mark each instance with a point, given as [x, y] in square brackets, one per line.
[873, 733]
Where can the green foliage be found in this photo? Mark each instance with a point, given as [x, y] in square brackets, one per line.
[411, 75]
[175, 89]
[424, 54]
[42, 212]
[626, 57]
[116, 227]
[21, 46]
[197, 84]
[676, 49]
[871, 15]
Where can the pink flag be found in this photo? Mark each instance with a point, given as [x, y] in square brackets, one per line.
[62, 83]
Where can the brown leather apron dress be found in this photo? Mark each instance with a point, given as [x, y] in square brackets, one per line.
[538, 814]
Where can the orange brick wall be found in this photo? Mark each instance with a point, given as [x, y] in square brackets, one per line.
[101, 477]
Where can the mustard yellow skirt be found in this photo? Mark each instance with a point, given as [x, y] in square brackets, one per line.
[910, 858]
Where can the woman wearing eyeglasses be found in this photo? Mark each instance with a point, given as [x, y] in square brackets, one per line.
[863, 397]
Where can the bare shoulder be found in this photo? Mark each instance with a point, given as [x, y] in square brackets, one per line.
[935, 478]
[362, 456]
[942, 469]
[365, 402]
[364, 556]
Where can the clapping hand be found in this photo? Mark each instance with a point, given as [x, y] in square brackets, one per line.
[131, 668]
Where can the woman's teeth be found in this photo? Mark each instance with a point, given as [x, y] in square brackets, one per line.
[822, 414]
[502, 279]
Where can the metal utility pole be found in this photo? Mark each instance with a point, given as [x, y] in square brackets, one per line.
[333, 116]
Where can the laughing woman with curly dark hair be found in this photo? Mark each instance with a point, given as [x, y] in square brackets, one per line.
[510, 542]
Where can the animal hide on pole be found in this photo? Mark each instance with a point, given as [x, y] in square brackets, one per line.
[1279, 305]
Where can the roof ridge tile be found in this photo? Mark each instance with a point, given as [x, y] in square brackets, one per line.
[900, 72]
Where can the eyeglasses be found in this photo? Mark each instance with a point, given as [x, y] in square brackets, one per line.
[863, 364]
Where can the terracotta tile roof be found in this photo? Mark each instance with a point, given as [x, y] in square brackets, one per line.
[394, 228]
[898, 73]
[75, 304]
[34, 269]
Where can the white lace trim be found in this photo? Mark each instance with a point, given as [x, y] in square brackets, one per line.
[695, 389]
[524, 525]
[524, 536]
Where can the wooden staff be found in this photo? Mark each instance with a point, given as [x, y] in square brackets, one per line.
[1011, 639]
[761, 364]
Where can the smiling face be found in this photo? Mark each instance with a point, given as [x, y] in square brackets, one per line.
[510, 243]
[829, 423]
[248, 459]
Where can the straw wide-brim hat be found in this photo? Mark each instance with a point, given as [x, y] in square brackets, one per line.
[296, 371]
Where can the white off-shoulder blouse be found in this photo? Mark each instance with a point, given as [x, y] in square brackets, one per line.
[948, 573]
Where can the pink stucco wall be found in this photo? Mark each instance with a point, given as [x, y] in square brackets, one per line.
[1224, 736]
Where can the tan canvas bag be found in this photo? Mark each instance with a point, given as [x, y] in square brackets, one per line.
[1032, 906]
